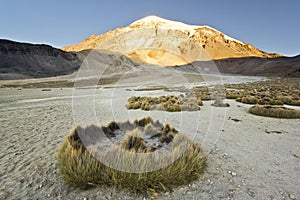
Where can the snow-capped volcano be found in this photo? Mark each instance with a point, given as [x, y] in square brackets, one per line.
[174, 25]
[160, 41]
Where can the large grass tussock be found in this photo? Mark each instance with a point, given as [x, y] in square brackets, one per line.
[80, 168]
[275, 111]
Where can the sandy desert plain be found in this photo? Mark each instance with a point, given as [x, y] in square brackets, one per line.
[250, 156]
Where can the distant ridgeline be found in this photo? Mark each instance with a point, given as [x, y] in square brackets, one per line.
[23, 60]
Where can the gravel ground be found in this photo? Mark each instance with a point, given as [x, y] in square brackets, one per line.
[253, 158]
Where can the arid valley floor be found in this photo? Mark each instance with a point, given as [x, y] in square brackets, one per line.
[254, 157]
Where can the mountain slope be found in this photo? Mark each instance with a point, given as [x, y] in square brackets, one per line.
[251, 66]
[23, 60]
[281, 67]
[155, 40]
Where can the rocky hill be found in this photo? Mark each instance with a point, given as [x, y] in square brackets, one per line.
[252, 66]
[23, 60]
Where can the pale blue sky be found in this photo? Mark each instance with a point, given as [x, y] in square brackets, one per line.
[270, 25]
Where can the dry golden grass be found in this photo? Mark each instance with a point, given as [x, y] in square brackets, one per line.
[275, 111]
[81, 169]
[169, 103]
[271, 92]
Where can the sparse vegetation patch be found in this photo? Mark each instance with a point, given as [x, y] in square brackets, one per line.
[169, 103]
[271, 92]
[80, 168]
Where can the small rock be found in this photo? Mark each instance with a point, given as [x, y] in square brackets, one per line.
[266, 131]
[236, 120]
[233, 173]
[251, 193]
[229, 172]
[41, 185]
[296, 156]
[291, 196]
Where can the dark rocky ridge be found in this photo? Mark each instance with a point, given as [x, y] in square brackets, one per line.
[24, 60]
[251, 66]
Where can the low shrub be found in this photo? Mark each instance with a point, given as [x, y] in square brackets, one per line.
[275, 111]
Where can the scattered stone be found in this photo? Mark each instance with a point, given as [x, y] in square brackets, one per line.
[251, 193]
[84, 198]
[236, 120]
[296, 156]
[232, 173]
[268, 132]
[46, 90]
[277, 132]
[291, 196]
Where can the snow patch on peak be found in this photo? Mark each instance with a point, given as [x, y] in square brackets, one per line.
[151, 18]
[175, 25]
[165, 23]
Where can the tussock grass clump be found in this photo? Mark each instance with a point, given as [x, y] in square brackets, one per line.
[271, 92]
[248, 100]
[134, 142]
[169, 103]
[80, 168]
[275, 111]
